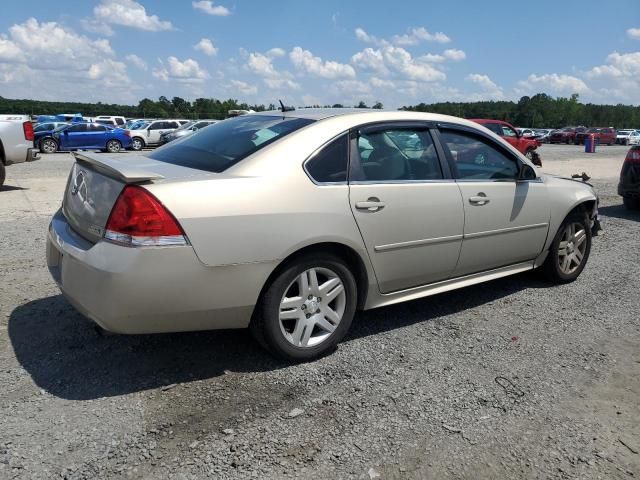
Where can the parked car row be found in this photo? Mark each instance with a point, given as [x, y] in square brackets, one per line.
[525, 145]
[111, 133]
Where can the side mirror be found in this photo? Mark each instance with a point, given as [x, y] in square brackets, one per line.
[526, 173]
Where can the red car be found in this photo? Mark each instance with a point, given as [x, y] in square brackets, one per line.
[603, 136]
[566, 135]
[525, 145]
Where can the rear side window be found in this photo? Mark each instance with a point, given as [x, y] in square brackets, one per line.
[329, 165]
[223, 144]
[477, 158]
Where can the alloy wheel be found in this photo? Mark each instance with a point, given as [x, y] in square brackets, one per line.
[113, 146]
[48, 146]
[572, 247]
[312, 307]
[136, 144]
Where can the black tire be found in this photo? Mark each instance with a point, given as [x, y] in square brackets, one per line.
[265, 324]
[631, 203]
[48, 145]
[551, 267]
[3, 173]
[114, 146]
[137, 144]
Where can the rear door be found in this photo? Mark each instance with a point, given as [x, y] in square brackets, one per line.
[408, 209]
[98, 135]
[506, 220]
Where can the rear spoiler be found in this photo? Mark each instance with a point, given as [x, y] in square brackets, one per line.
[118, 168]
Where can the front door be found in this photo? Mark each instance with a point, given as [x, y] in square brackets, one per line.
[76, 136]
[506, 219]
[408, 211]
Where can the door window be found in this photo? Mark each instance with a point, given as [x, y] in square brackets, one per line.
[329, 165]
[119, 121]
[508, 131]
[157, 126]
[495, 128]
[396, 154]
[98, 128]
[477, 158]
[78, 127]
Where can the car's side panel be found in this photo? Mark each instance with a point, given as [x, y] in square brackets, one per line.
[510, 228]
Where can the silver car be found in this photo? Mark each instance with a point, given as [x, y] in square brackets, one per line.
[289, 222]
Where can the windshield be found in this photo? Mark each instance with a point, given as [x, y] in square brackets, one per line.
[139, 125]
[185, 125]
[216, 148]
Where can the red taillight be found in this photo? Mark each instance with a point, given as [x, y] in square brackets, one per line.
[633, 156]
[28, 131]
[139, 219]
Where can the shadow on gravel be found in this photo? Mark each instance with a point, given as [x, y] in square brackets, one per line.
[619, 211]
[8, 188]
[65, 356]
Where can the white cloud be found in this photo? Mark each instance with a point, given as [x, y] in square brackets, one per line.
[417, 35]
[275, 52]
[634, 33]
[209, 8]
[136, 61]
[381, 83]
[488, 86]
[126, 13]
[304, 60]
[554, 83]
[261, 64]
[206, 46]
[454, 54]
[366, 38]
[110, 73]
[402, 61]
[49, 61]
[370, 59]
[50, 46]
[187, 71]
[243, 87]
[618, 65]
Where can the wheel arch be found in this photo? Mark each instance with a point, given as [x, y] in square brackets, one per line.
[347, 254]
[3, 158]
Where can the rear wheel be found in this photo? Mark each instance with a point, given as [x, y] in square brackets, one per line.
[137, 144]
[48, 145]
[631, 203]
[114, 146]
[570, 249]
[307, 309]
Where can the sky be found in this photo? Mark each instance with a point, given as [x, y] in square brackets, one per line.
[320, 52]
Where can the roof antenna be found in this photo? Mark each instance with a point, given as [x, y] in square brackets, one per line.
[284, 108]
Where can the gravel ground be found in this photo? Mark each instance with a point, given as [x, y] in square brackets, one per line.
[509, 379]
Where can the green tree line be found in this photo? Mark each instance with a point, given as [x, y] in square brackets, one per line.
[162, 108]
[540, 111]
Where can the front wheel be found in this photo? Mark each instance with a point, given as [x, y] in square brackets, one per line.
[307, 308]
[114, 146]
[137, 144]
[570, 249]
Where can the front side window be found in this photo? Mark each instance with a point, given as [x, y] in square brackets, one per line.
[329, 165]
[494, 127]
[156, 126]
[119, 121]
[395, 155]
[216, 148]
[477, 158]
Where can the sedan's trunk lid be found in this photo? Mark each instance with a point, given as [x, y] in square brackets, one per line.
[96, 180]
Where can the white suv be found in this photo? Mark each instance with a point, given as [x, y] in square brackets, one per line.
[150, 135]
[112, 120]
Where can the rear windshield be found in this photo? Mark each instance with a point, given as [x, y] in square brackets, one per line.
[216, 148]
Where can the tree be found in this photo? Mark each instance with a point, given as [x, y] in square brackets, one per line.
[378, 106]
[337, 105]
[361, 105]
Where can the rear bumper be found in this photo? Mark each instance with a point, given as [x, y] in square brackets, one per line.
[629, 190]
[150, 290]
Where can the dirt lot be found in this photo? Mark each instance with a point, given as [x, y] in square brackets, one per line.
[509, 379]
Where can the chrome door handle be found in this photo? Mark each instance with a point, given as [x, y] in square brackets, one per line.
[479, 200]
[372, 204]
